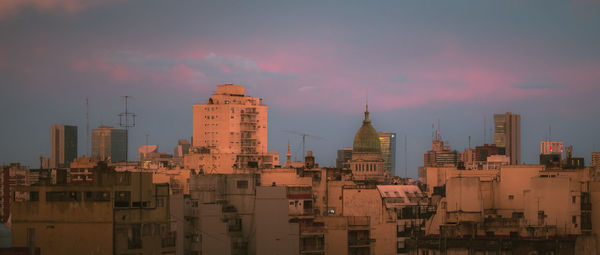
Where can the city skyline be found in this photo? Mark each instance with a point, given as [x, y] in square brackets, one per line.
[416, 69]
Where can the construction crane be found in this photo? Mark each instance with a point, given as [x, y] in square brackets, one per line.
[304, 135]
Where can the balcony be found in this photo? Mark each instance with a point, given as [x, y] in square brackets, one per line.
[359, 243]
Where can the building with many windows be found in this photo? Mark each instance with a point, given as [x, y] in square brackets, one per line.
[230, 132]
[507, 136]
[63, 150]
[109, 143]
[388, 151]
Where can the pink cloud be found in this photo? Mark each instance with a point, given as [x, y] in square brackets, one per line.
[13, 7]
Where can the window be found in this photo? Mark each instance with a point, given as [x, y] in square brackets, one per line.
[574, 219]
[511, 197]
[134, 237]
[56, 196]
[574, 199]
[34, 196]
[242, 184]
[160, 202]
[122, 198]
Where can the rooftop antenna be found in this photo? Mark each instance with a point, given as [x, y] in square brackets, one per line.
[288, 155]
[405, 158]
[469, 142]
[484, 133]
[491, 135]
[124, 122]
[304, 135]
[87, 128]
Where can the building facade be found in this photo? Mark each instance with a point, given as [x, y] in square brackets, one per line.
[343, 158]
[63, 148]
[120, 213]
[388, 151]
[367, 163]
[507, 135]
[595, 159]
[109, 143]
[230, 132]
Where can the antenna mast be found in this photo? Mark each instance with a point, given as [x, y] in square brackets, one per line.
[124, 118]
[87, 128]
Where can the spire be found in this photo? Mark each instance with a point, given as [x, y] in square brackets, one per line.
[367, 120]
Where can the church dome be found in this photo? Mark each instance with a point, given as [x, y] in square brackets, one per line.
[366, 139]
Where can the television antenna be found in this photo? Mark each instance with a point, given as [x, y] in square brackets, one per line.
[304, 135]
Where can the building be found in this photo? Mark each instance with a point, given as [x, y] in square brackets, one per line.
[507, 136]
[526, 209]
[232, 122]
[120, 213]
[367, 161]
[388, 151]
[81, 171]
[343, 158]
[551, 147]
[230, 133]
[595, 159]
[441, 154]
[63, 148]
[182, 148]
[11, 176]
[109, 144]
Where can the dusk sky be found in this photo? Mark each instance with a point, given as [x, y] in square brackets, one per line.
[313, 63]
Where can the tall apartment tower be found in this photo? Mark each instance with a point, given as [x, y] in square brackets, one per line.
[595, 159]
[109, 143]
[507, 136]
[63, 140]
[232, 123]
[388, 151]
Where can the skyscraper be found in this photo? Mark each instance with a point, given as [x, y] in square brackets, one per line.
[507, 136]
[388, 151]
[109, 143]
[63, 140]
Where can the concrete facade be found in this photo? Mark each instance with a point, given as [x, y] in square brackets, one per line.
[122, 213]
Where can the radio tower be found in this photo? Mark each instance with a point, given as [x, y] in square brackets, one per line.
[124, 122]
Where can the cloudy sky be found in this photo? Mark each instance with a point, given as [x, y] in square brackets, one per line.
[313, 63]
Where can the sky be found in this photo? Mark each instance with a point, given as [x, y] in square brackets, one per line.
[314, 63]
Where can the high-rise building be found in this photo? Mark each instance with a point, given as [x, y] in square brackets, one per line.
[343, 158]
[596, 159]
[63, 149]
[232, 123]
[507, 136]
[388, 151]
[109, 143]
